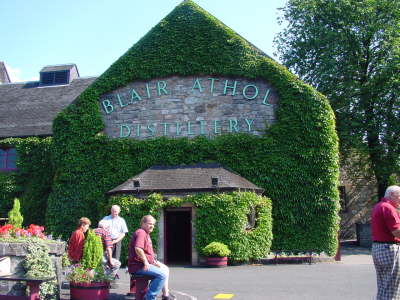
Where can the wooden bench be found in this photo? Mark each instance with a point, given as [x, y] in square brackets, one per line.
[138, 286]
[33, 284]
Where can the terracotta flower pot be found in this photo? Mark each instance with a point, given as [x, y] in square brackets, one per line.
[217, 262]
[92, 291]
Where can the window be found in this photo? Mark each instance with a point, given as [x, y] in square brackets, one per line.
[343, 198]
[8, 159]
[252, 217]
[52, 78]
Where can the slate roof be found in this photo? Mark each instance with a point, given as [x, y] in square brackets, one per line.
[27, 109]
[195, 178]
[58, 68]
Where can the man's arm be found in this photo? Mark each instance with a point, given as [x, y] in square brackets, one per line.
[120, 237]
[109, 256]
[143, 258]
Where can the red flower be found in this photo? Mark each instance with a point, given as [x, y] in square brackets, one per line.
[6, 228]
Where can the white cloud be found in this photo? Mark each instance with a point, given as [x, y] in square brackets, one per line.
[15, 74]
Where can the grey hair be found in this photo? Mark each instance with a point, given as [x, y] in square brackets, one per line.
[147, 218]
[116, 207]
[393, 189]
[103, 224]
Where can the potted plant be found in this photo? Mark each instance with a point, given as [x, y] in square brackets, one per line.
[217, 254]
[87, 279]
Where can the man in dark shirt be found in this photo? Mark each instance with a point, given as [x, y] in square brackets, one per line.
[141, 261]
[385, 224]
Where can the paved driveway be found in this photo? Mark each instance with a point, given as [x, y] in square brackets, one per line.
[351, 279]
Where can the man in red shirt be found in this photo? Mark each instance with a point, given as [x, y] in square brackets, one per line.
[141, 261]
[385, 224]
[77, 239]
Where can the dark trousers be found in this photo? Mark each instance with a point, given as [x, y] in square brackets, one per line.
[117, 250]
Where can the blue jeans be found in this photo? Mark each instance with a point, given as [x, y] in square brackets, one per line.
[156, 284]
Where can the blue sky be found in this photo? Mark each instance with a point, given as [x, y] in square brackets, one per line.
[95, 33]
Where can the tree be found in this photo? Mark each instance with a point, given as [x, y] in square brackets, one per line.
[350, 51]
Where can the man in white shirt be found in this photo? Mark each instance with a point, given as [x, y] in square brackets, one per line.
[117, 228]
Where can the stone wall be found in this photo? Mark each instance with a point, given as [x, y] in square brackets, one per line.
[189, 106]
[360, 197]
[17, 253]
[364, 235]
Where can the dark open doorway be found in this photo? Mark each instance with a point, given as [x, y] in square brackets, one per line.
[178, 236]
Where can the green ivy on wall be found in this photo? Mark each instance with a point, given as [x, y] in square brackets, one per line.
[219, 217]
[7, 192]
[295, 161]
[32, 182]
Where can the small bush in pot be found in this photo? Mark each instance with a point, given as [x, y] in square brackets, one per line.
[87, 279]
[216, 249]
[217, 254]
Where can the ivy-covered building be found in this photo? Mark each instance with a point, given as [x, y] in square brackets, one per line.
[190, 91]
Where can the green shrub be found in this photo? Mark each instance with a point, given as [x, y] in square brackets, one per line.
[216, 249]
[14, 215]
[92, 250]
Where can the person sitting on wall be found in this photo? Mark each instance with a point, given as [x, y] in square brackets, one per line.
[77, 240]
[141, 261]
[385, 225]
[117, 228]
[110, 264]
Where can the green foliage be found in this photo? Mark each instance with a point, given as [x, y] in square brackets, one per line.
[32, 182]
[393, 180]
[92, 250]
[216, 249]
[39, 264]
[223, 218]
[80, 274]
[14, 215]
[295, 161]
[65, 261]
[7, 192]
[350, 51]
[219, 217]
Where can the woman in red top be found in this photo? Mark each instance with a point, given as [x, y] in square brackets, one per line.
[77, 239]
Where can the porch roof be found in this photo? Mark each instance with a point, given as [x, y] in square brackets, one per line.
[184, 179]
